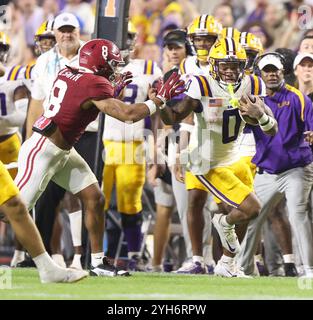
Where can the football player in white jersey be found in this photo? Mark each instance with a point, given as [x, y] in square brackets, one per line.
[202, 32]
[13, 107]
[220, 101]
[124, 153]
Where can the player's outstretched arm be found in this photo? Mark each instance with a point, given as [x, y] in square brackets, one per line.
[256, 112]
[135, 112]
[127, 112]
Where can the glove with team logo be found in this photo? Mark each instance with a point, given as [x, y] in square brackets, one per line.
[171, 88]
[122, 81]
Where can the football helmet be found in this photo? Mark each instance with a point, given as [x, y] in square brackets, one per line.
[101, 57]
[203, 26]
[253, 47]
[227, 53]
[131, 40]
[45, 32]
[230, 32]
[5, 44]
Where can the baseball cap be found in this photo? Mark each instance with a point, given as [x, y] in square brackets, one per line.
[300, 57]
[177, 37]
[270, 59]
[65, 19]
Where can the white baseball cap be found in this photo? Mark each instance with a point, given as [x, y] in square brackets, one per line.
[300, 57]
[270, 59]
[65, 19]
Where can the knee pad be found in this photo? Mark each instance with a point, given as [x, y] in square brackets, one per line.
[131, 220]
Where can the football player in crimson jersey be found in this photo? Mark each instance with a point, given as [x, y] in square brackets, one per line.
[77, 96]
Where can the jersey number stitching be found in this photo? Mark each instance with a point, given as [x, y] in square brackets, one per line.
[56, 97]
[227, 115]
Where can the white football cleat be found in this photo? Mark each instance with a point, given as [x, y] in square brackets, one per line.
[65, 275]
[227, 234]
[229, 270]
[226, 270]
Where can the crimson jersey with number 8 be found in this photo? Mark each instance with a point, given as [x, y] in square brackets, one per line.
[70, 91]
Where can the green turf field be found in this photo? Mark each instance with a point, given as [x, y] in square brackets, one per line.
[25, 283]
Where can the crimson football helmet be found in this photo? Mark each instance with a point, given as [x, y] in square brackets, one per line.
[101, 57]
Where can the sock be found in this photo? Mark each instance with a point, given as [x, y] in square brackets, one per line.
[226, 259]
[289, 258]
[76, 260]
[133, 237]
[224, 222]
[18, 254]
[59, 260]
[96, 258]
[44, 263]
[76, 227]
[198, 259]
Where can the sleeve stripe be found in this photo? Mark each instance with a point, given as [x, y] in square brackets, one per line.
[152, 71]
[14, 72]
[257, 85]
[28, 71]
[10, 73]
[204, 86]
[145, 68]
[252, 84]
[300, 96]
[149, 66]
[182, 67]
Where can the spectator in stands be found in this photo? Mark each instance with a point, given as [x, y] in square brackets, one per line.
[224, 14]
[306, 44]
[259, 29]
[33, 17]
[303, 68]
[282, 29]
[84, 13]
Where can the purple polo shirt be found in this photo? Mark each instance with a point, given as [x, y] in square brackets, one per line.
[287, 149]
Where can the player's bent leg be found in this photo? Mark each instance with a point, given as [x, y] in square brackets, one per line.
[28, 235]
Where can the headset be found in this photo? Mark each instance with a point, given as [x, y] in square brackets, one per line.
[256, 69]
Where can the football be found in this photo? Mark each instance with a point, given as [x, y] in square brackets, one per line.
[248, 119]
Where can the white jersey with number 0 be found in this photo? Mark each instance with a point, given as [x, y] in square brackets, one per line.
[218, 126]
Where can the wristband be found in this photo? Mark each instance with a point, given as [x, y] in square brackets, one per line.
[264, 119]
[151, 105]
[268, 125]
